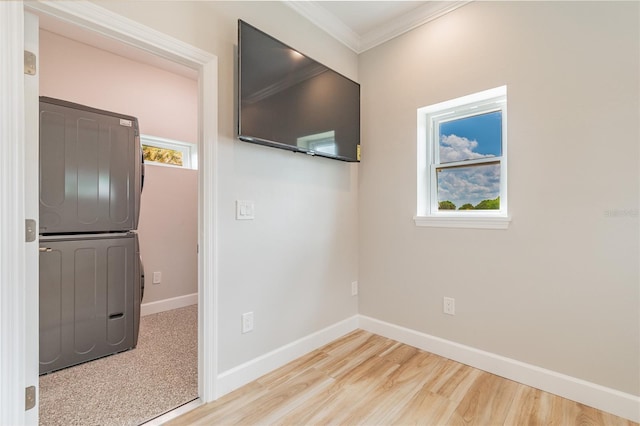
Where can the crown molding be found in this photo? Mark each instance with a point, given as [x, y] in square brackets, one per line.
[320, 17]
[407, 22]
[328, 22]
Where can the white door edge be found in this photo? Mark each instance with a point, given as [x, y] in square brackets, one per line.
[12, 215]
[32, 195]
[95, 18]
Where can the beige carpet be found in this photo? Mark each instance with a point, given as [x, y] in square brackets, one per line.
[131, 387]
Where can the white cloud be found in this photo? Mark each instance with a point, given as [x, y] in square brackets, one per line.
[469, 184]
[457, 148]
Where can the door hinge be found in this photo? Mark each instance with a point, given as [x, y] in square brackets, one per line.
[29, 398]
[29, 230]
[29, 63]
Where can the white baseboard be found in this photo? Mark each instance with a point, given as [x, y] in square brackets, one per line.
[591, 394]
[168, 304]
[251, 370]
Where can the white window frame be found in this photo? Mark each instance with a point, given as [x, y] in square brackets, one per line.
[429, 117]
[189, 151]
[319, 141]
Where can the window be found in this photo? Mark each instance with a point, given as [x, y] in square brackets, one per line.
[320, 142]
[169, 152]
[462, 162]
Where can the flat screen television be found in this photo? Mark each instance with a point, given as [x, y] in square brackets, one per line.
[287, 100]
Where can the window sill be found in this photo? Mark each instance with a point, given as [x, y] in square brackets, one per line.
[463, 222]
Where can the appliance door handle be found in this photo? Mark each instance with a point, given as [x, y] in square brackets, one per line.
[141, 278]
[141, 169]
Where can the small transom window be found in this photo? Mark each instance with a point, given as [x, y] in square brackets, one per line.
[169, 152]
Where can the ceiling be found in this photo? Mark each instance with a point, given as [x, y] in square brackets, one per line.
[361, 25]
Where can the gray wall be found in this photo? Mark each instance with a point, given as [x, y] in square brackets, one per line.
[559, 288]
[293, 265]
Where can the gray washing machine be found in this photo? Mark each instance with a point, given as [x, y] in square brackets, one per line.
[91, 278]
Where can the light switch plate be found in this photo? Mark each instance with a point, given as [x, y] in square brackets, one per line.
[244, 210]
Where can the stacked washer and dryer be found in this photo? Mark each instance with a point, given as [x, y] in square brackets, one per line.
[91, 276]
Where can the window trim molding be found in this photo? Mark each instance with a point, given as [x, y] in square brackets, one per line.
[425, 214]
[189, 151]
[477, 222]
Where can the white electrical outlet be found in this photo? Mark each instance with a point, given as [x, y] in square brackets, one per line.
[247, 322]
[449, 305]
[354, 288]
[157, 277]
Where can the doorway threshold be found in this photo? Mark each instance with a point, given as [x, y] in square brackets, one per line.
[175, 413]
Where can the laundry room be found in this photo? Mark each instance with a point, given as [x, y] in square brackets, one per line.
[90, 71]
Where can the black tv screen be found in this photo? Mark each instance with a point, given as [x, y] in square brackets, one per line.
[287, 100]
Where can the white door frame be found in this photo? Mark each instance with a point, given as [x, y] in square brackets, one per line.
[31, 209]
[13, 345]
[14, 370]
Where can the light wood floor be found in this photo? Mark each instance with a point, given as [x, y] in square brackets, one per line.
[365, 379]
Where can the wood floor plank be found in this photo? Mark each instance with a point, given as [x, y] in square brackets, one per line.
[295, 400]
[341, 362]
[357, 386]
[526, 407]
[278, 400]
[451, 379]
[344, 394]
[402, 384]
[486, 402]
[399, 353]
[564, 411]
[344, 346]
[211, 413]
[426, 408]
[365, 379]
[292, 369]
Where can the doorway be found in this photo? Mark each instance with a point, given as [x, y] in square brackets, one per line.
[206, 66]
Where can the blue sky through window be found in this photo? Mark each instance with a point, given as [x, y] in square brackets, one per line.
[478, 136]
[471, 137]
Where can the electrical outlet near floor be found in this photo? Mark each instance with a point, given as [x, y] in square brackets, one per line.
[157, 277]
[247, 322]
[449, 305]
[354, 288]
